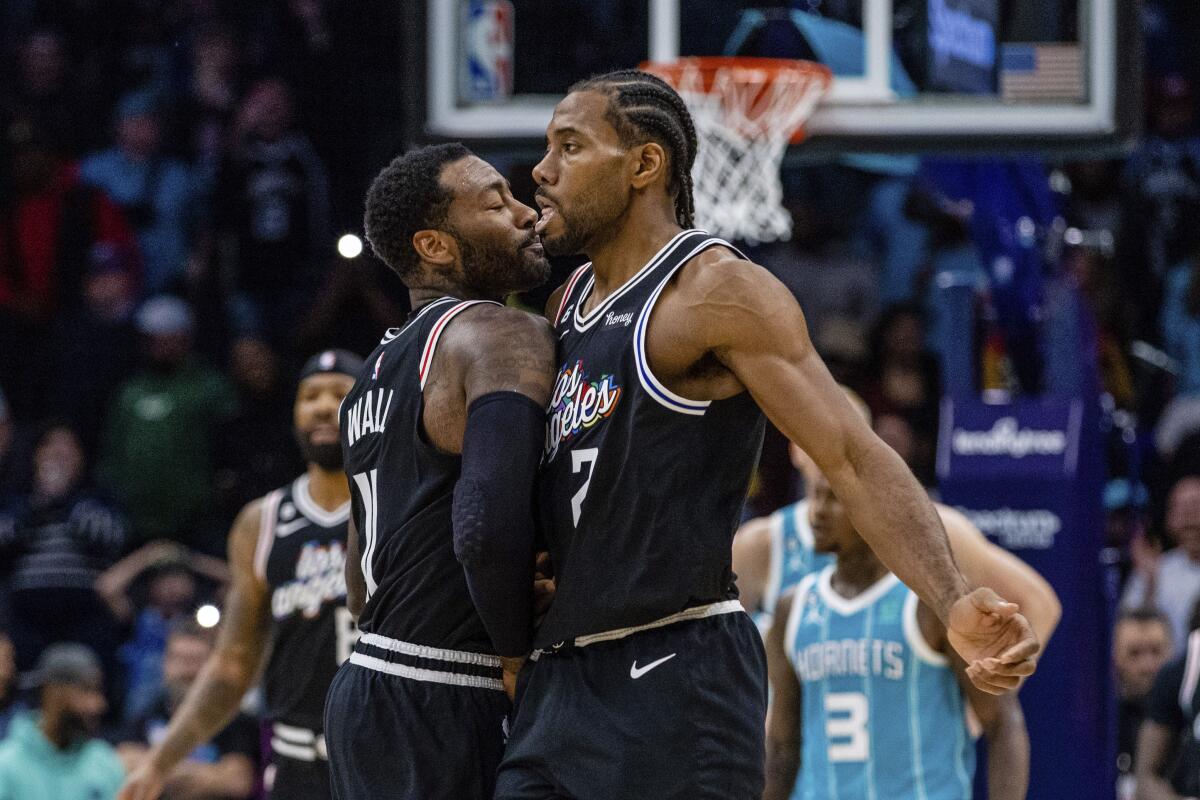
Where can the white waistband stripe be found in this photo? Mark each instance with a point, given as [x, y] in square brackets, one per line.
[428, 675]
[421, 651]
[697, 612]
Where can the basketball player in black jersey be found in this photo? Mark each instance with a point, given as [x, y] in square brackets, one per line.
[649, 679]
[288, 599]
[442, 435]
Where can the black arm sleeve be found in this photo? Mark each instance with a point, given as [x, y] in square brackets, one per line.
[493, 514]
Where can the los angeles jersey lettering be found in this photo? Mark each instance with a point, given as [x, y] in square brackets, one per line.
[402, 488]
[302, 557]
[641, 489]
[883, 715]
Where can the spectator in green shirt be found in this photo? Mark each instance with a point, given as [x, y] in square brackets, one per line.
[55, 755]
[157, 454]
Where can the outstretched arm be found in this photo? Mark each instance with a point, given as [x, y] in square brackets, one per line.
[740, 315]
[227, 675]
[783, 718]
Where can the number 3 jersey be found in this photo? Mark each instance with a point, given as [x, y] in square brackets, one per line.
[301, 555]
[883, 715]
[640, 489]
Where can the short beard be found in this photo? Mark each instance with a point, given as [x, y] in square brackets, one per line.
[326, 456]
[490, 270]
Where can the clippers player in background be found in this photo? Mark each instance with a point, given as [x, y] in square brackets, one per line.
[649, 680]
[1168, 748]
[287, 598]
[442, 435]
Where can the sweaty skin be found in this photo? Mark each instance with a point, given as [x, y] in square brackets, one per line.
[723, 326]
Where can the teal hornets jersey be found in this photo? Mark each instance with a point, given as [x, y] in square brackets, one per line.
[792, 557]
[883, 715]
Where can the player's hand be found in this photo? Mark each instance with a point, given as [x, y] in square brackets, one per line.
[543, 587]
[512, 668]
[144, 783]
[995, 640]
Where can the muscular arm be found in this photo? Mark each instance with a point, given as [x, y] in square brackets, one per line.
[501, 361]
[229, 672]
[985, 564]
[752, 561]
[783, 717]
[753, 327]
[356, 584]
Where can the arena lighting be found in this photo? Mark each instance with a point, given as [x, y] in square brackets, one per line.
[350, 246]
[207, 616]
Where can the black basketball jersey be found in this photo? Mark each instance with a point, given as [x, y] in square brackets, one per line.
[301, 555]
[402, 488]
[641, 489]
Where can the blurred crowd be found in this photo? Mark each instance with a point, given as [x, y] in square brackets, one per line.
[175, 177]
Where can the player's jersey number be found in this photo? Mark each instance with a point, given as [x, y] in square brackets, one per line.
[846, 716]
[579, 459]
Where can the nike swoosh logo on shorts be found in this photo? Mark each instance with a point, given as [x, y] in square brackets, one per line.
[636, 672]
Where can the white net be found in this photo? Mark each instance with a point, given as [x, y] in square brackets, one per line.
[745, 116]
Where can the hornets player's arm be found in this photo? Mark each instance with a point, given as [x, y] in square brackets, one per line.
[230, 671]
[356, 584]
[1001, 718]
[486, 399]
[725, 326]
[752, 561]
[986, 564]
[783, 717]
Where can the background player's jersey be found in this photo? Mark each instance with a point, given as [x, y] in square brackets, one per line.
[641, 489]
[402, 488]
[301, 555]
[792, 557]
[883, 715]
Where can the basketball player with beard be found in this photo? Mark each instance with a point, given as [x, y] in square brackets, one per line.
[288, 598]
[442, 432]
[649, 679]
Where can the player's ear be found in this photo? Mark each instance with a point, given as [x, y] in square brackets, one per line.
[435, 247]
[650, 164]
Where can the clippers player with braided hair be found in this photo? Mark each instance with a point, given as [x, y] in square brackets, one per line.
[287, 598]
[649, 680]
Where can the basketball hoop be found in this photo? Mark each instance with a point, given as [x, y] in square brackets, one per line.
[746, 112]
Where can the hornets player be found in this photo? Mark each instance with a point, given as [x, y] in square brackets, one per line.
[671, 345]
[772, 554]
[867, 686]
[287, 553]
[442, 433]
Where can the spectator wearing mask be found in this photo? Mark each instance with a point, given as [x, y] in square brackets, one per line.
[1141, 646]
[49, 222]
[157, 446]
[151, 590]
[55, 754]
[1171, 582]
[273, 216]
[55, 542]
[222, 768]
[155, 191]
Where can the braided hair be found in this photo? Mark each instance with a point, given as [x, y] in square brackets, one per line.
[643, 106]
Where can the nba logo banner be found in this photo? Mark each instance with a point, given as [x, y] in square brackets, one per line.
[1030, 475]
[486, 61]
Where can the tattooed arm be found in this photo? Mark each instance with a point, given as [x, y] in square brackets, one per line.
[227, 675]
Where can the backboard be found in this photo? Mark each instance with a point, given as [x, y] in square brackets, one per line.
[910, 75]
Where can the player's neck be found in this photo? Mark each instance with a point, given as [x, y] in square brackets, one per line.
[635, 240]
[329, 490]
[857, 570]
[419, 298]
